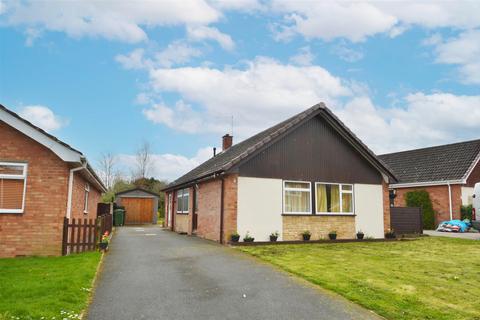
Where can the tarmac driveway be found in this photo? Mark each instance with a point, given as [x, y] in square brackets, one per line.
[151, 273]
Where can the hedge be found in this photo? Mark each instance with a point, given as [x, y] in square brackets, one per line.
[421, 198]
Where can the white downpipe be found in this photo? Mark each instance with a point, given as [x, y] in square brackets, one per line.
[450, 201]
[70, 188]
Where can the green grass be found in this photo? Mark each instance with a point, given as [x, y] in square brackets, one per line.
[48, 287]
[430, 278]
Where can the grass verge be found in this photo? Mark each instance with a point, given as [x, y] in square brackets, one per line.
[46, 287]
[431, 278]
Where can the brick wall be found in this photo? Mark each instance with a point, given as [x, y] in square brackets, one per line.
[230, 197]
[78, 198]
[386, 207]
[474, 176]
[38, 231]
[319, 226]
[439, 198]
[209, 202]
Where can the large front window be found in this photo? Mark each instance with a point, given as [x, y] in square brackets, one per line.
[297, 197]
[12, 187]
[183, 197]
[334, 198]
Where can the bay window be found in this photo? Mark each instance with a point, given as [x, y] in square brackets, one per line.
[334, 198]
[12, 187]
[183, 198]
[297, 197]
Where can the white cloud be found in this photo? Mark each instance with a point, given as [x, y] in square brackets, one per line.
[122, 21]
[262, 93]
[238, 5]
[200, 33]
[304, 57]
[356, 21]
[463, 51]
[134, 60]
[420, 120]
[168, 166]
[346, 53]
[42, 117]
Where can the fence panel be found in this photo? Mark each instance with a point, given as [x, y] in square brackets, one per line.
[83, 235]
[406, 220]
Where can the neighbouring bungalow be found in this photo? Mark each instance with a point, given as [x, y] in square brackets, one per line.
[309, 172]
[42, 181]
[448, 173]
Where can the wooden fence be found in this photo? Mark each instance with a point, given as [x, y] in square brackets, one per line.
[80, 235]
[406, 220]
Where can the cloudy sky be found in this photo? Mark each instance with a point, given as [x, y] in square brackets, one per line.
[105, 76]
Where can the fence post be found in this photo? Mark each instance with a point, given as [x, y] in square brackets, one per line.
[65, 236]
[421, 219]
[72, 235]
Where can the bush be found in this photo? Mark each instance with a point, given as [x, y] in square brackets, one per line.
[466, 212]
[421, 198]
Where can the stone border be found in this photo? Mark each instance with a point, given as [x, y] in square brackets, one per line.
[263, 243]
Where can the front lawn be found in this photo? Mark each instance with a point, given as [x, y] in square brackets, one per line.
[46, 288]
[430, 278]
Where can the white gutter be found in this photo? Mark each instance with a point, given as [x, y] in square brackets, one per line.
[426, 184]
[70, 188]
[450, 201]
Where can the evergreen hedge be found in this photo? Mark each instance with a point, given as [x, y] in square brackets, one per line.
[466, 212]
[421, 198]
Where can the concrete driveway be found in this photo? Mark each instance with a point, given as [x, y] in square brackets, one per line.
[465, 235]
[151, 273]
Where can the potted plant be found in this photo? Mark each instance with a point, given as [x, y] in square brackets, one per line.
[104, 241]
[390, 234]
[234, 237]
[274, 236]
[248, 238]
[332, 235]
[360, 235]
[306, 235]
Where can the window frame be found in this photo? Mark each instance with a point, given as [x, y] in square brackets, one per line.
[284, 188]
[182, 193]
[16, 177]
[86, 196]
[340, 185]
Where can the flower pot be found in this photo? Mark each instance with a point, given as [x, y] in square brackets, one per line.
[235, 237]
[390, 235]
[273, 238]
[306, 237]
[249, 239]
[332, 236]
[103, 246]
[360, 236]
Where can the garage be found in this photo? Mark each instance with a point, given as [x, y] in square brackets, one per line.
[141, 206]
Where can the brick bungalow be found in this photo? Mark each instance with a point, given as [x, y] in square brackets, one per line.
[448, 173]
[42, 180]
[309, 172]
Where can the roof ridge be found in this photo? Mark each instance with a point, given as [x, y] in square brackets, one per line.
[431, 147]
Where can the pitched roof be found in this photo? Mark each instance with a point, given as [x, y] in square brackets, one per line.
[449, 162]
[137, 189]
[238, 152]
[51, 142]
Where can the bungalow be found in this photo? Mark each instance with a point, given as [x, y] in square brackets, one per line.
[309, 172]
[447, 172]
[42, 180]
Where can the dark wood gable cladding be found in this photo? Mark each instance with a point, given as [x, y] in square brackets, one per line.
[314, 152]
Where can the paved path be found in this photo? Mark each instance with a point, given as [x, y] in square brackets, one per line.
[151, 273]
[465, 235]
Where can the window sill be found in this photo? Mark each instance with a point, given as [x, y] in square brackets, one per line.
[318, 214]
[183, 213]
[11, 212]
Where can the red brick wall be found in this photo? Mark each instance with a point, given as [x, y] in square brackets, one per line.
[230, 197]
[474, 176]
[209, 202]
[38, 231]
[386, 206]
[440, 202]
[78, 198]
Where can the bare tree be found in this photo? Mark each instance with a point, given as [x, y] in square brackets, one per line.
[107, 165]
[143, 159]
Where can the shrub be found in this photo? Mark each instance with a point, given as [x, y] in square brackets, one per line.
[466, 212]
[421, 198]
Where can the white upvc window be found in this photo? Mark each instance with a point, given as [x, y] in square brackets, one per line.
[183, 198]
[13, 186]
[87, 192]
[334, 198]
[297, 197]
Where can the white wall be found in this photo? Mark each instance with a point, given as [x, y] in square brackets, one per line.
[259, 207]
[467, 194]
[369, 209]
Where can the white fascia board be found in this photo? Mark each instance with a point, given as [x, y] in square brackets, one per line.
[60, 150]
[426, 184]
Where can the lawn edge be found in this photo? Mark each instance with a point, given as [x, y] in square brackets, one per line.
[331, 293]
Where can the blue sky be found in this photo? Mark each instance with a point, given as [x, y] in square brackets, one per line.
[106, 76]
